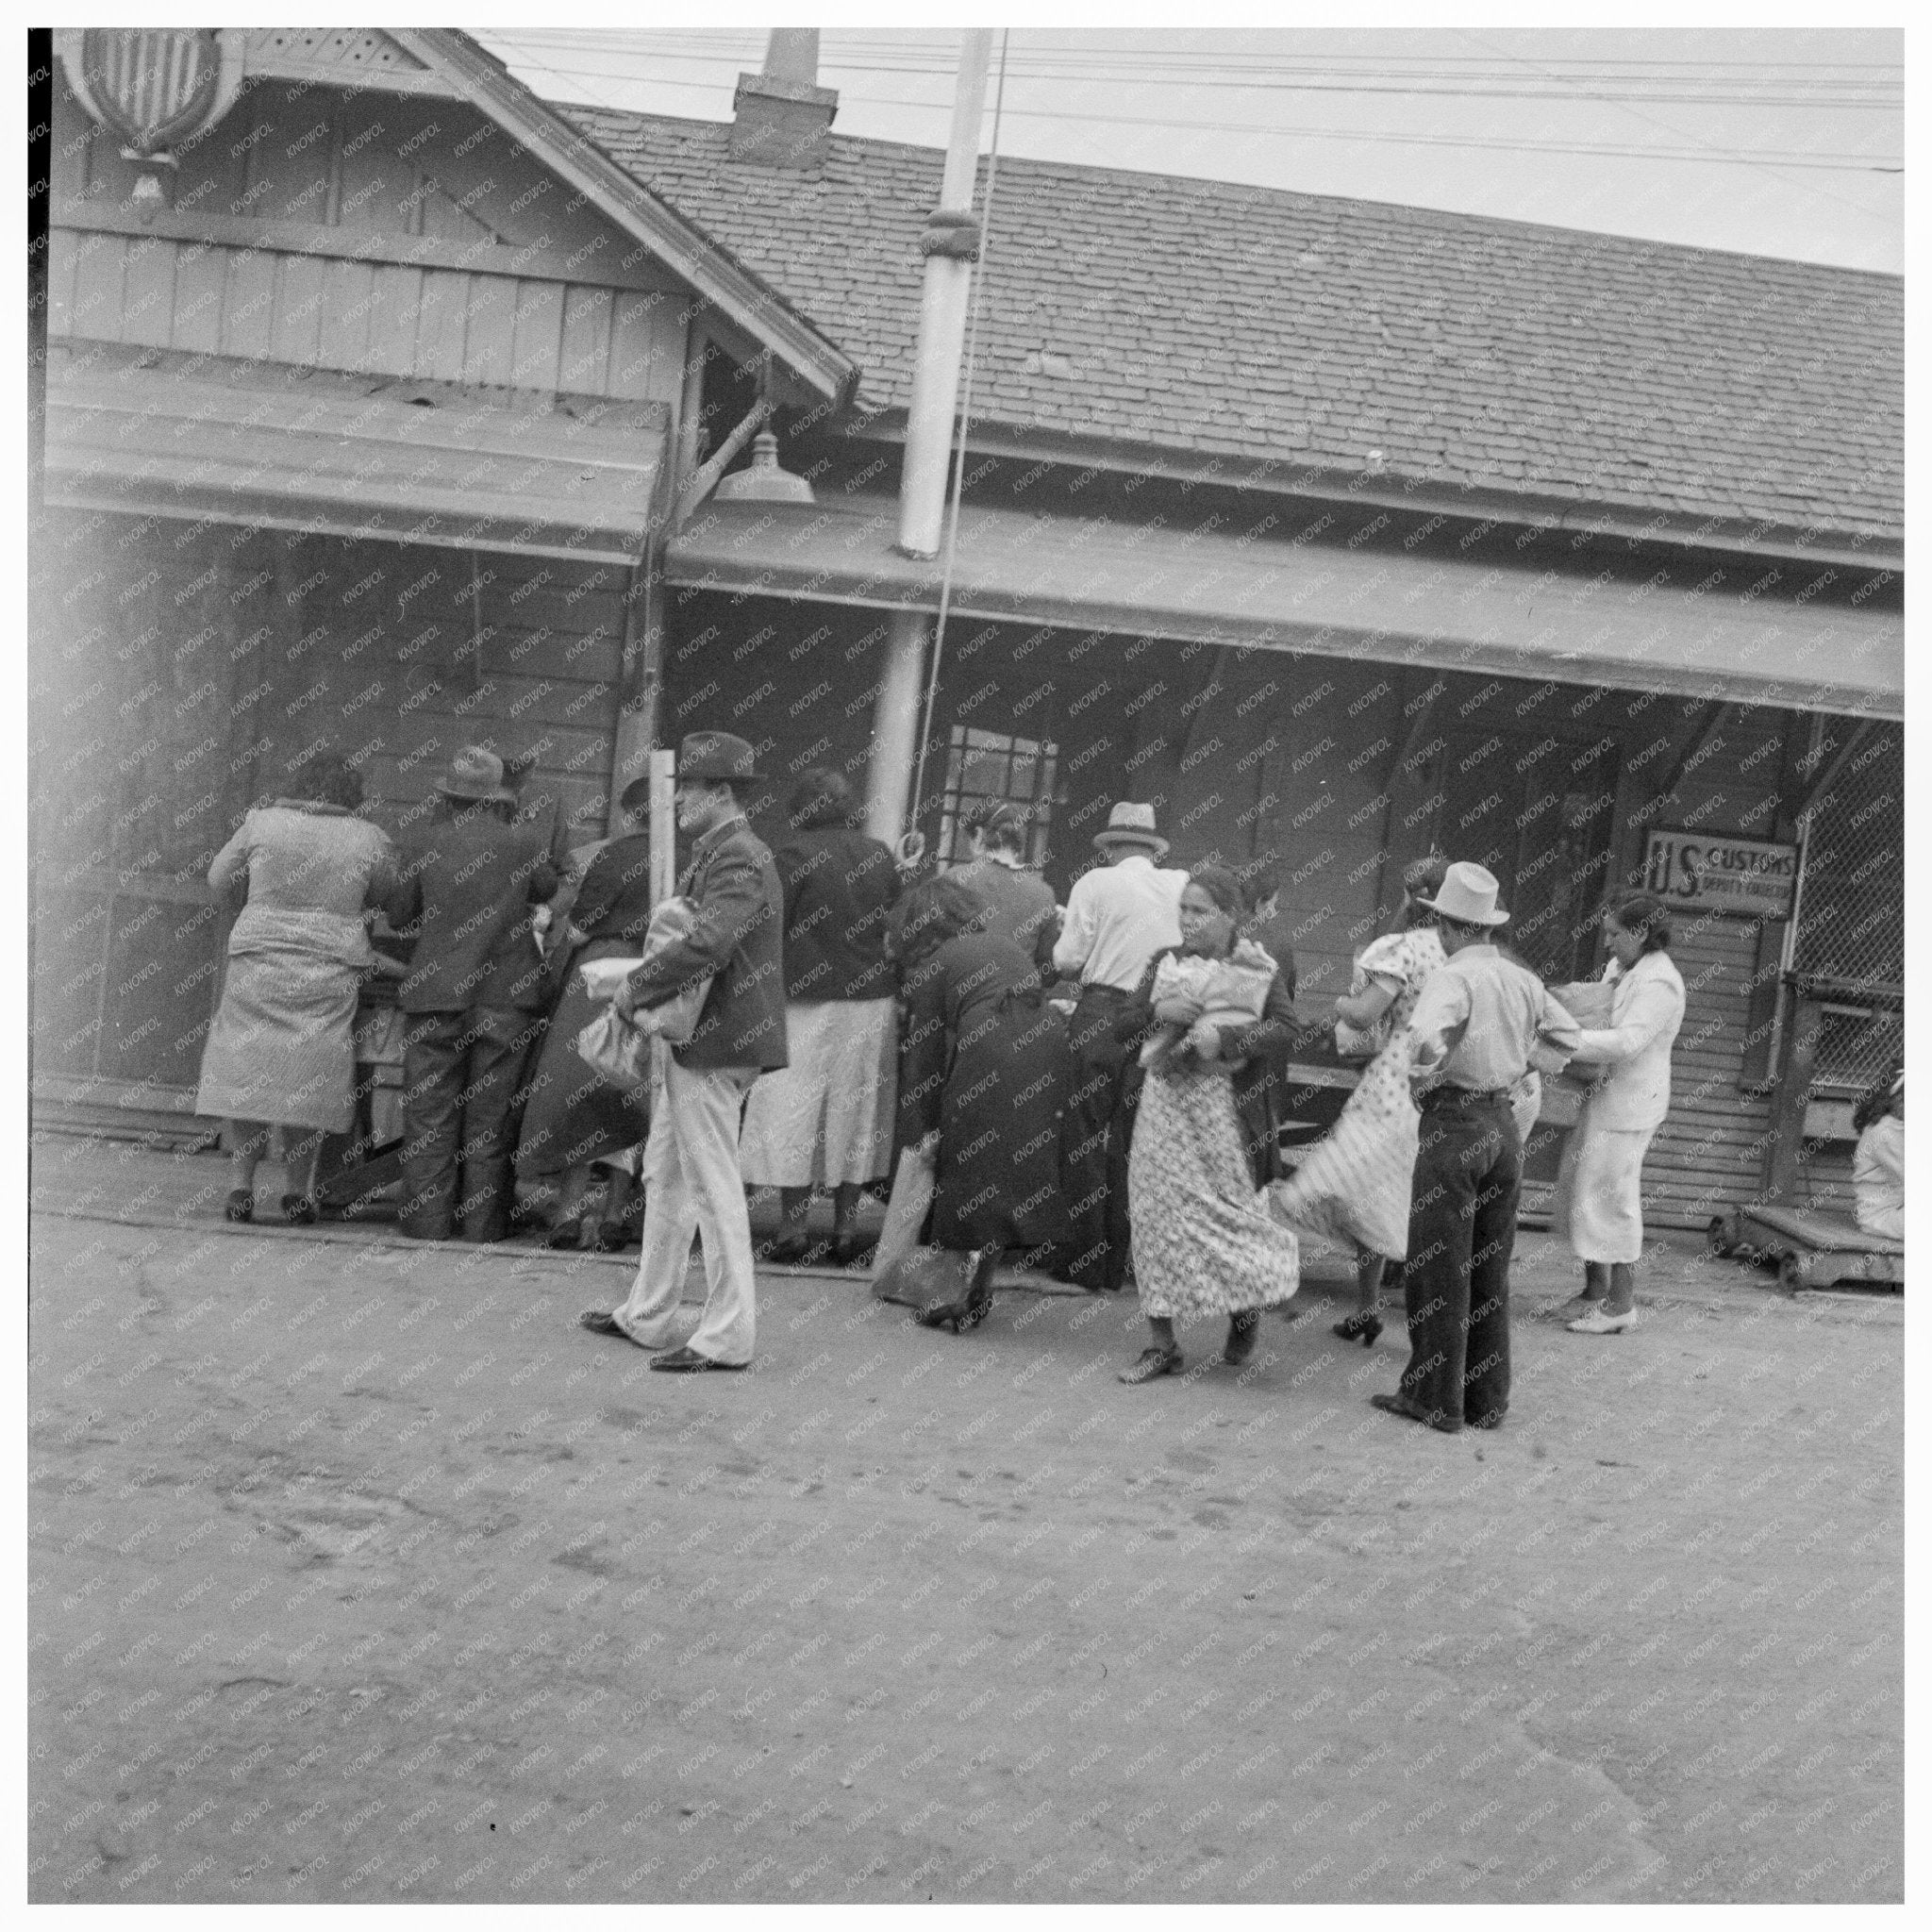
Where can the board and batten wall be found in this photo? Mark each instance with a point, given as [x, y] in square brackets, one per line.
[370, 234]
[178, 676]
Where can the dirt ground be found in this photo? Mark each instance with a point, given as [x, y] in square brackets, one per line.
[359, 1572]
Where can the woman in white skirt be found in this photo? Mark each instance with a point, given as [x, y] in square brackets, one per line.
[1598, 1202]
[825, 1120]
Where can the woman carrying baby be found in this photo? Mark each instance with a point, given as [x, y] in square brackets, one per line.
[1205, 1143]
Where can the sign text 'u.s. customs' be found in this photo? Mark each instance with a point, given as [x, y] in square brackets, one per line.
[1751, 877]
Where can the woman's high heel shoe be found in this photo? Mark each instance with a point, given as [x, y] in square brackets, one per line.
[969, 1313]
[1362, 1328]
[239, 1206]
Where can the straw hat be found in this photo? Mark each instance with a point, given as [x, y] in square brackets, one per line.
[1468, 896]
[1131, 824]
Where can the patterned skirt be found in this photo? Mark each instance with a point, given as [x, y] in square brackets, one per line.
[825, 1120]
[1205, 1243]
[1353, 1186]
[282, 1047]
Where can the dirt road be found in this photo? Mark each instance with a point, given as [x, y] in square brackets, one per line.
[363, 1574]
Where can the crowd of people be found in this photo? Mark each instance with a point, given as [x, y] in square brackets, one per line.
[1098, 1089]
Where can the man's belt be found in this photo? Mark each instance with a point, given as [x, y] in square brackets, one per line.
[1102, 991]
[1462, 1097]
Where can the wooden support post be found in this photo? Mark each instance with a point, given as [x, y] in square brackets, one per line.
[663, 774]
[1784, 1150]
[643, 683]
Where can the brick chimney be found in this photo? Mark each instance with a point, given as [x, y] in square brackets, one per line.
[782, 117]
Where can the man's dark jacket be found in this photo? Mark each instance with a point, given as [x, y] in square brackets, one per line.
[467, 885]
[737, 935]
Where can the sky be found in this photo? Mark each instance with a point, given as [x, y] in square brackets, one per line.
[1785, 142]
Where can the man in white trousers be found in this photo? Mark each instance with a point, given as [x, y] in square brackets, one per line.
[691, 1181]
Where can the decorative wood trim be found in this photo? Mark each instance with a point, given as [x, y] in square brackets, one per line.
[738, 293]
[533, 262]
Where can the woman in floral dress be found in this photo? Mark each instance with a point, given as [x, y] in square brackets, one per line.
[1354, 1185]
[1206, 1146]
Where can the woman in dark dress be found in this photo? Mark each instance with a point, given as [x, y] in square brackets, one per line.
[574, 1120]
[981, 1075]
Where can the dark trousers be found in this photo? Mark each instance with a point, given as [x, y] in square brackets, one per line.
[463, 1075]
[1096, 1131]
[1461, 1230]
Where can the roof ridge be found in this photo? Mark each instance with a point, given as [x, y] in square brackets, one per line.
[1257, 192]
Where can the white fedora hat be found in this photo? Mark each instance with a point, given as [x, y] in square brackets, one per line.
[1131, 824]
[1468, 896]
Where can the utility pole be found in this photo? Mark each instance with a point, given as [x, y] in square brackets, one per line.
[951, 246]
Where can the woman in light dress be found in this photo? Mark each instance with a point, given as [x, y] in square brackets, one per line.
[281, 1053]
[1206, 1145]
[1354, 1185]
[1878, 1163]
[1599, 1202]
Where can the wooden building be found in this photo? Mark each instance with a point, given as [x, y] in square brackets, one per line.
[1338, 530]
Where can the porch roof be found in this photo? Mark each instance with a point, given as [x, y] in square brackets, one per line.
[1251, 590]
[414, 463]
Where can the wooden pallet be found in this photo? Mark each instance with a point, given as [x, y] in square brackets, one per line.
[1811, 1250]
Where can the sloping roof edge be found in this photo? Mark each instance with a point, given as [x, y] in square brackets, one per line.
[713, 271]
[1384, 488]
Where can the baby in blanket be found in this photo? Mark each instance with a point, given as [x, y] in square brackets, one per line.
[1232, 992]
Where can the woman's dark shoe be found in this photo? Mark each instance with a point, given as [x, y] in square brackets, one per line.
[298, 1210]
[566, 1234]
[239, 1206]
[1153, 1362]
[1362, 1328]
[790, 1249]
[1243, 1332]
[851, 1249]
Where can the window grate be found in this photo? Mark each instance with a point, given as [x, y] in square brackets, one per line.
[991, 764]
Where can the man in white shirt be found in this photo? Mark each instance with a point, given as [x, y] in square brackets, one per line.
[1119, 916]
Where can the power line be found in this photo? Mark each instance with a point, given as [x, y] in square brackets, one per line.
[1115, 68]
[1834, 162]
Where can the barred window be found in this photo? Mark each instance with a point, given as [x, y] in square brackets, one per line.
[989, 764]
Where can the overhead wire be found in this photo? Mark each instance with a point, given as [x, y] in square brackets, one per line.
[1833, 160]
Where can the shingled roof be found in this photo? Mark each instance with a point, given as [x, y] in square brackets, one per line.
[1168, 314]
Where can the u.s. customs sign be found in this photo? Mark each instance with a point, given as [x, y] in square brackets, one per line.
[1751, 877]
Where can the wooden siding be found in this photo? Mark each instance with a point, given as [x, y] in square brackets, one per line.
[376, 235]
[368, 317]
[178, 671]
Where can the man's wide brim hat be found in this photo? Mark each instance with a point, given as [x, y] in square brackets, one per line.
[1466, 896]
[1131, 824]
[475, 776]
[709, 755]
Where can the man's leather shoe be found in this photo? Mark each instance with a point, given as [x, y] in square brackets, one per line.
[688, 1361]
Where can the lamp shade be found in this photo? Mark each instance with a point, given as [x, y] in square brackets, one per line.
[762, 480]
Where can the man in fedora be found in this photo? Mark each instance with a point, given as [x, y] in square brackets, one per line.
[1118, 915]
[1474, 1026]
[475, 997]
[691, 1181]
